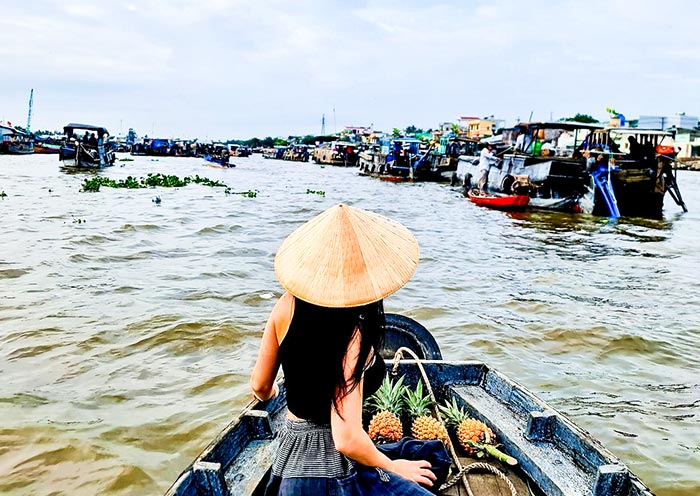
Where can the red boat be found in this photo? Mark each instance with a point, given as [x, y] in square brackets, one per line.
[500, 202]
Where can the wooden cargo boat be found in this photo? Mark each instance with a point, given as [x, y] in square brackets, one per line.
[499, 202]
[47, 144]
[296, 153]
[339, 153]
[15, 142]
[555, 457]
[218, 156]
[555, 160]
[86, 146]
[236, 150]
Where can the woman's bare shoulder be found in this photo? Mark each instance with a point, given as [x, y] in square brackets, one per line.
[282, 315]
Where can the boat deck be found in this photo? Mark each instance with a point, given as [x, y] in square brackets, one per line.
[556, 458]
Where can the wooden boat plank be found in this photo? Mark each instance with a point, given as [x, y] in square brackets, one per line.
[246, 472]
[487, 484]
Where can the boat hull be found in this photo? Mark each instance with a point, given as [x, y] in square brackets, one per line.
[500, 202]
[82, 157]
[555, 457]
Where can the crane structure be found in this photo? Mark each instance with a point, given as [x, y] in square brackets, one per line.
[31, 104]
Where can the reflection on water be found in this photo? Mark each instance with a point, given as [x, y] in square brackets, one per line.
[129, 327]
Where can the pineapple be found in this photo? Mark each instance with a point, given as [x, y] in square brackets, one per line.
[474, 436]
[386, 426]
[424, 426]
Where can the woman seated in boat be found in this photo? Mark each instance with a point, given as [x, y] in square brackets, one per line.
[326, 332]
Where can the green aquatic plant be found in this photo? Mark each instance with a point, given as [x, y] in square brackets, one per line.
[150, 181]
[126, 159]
[314, 192]
[247, 194]
[3, 195]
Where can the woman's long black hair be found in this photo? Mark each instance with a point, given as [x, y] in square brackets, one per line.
[328, 333]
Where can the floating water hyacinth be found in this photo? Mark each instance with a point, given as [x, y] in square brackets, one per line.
[150, 181]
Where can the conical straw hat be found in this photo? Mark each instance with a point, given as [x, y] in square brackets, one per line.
[346, 257]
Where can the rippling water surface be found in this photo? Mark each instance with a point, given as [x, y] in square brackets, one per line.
[128, 328]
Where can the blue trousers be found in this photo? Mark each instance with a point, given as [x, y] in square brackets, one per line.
[369, 480]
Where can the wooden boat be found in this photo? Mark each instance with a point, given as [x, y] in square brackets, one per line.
[555, 457]
[81, 152]
[499, 202]
[218, 156]
[339, 153]
[15, 142]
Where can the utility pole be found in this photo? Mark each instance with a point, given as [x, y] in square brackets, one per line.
[31, 103]
[323, 125]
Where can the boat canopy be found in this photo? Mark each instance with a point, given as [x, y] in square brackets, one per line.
[325, 139]
[628, 131]
[68, 130]
[6, 130]
[564, 125]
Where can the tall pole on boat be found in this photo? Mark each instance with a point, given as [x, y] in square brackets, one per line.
[323, 125]
[31, 103]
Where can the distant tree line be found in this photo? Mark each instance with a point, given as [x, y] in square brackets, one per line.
[585, 118]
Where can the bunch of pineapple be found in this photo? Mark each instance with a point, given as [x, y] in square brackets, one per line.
[469, 431]
[474, 436]
[424, 425]
[388, 401]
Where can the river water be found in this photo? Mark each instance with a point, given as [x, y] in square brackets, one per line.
[128, 327]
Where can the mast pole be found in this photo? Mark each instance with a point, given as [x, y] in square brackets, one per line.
[31, 103]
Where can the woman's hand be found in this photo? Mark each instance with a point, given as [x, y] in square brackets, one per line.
[415, 471]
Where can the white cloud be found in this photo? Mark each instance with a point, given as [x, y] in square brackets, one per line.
[274, 67]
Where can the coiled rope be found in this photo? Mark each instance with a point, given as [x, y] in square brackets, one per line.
[462, 471]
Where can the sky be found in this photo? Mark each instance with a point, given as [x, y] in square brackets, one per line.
[229, 69]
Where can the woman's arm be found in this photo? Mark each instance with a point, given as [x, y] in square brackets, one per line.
[352, 441]
[262, 380]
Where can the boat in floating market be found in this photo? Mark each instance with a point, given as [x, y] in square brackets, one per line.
[631, 170]
[15, 142]
[581, 167]
[157, 147]
[86, 146]
[395, 159]
[339, 153]
[444, 158]
[276, 152]
[296, 153]
[217, 155]
[498, 201]
[553, 456]
[236, 150]
[47, 144]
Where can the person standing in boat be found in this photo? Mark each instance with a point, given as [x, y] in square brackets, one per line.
[326, 332]
[486, 159]
[522, 139]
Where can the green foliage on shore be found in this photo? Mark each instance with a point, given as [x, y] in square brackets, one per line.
[150, 181]
[585, 118]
